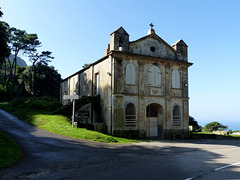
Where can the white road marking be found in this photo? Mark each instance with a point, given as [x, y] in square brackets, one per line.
[223, 167]
[217, 169]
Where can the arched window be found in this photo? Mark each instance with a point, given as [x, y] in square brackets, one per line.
[130, 115]
[175, 79]
[130, 74]
[120, 43]
[154, 76]
[177, 119]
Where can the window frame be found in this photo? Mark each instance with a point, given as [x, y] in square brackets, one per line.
[177, 83]
[130, 119]
[131, 78]
[84, 78]
[153, 78]
[96, 82]
[176, 117]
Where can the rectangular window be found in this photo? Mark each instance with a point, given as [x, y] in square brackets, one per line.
[130, 74]
[65, 87]
[175, 79]
[84, 78]
[96, 85]
[154, 76]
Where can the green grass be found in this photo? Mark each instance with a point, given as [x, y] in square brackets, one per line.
[38, 113]
[235, 136]
[9, 151]
[201, 133]
[59, 124]
[218, 136]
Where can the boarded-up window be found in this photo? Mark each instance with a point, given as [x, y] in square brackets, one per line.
[154, 76]
[130, 115]
[175, 79]
[130, 74]
[177, 120]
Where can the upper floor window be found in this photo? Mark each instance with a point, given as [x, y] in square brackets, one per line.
[130, 74]
[120, 45]
[65, 84]
[73, 82]
[177, 119]
[154, 76]
[175, 79]
[84, 78]
[96, 84]
[130, 115]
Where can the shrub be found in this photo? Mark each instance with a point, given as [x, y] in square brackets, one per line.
[44, 103]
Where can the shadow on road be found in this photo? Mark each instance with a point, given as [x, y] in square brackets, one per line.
[51, 156]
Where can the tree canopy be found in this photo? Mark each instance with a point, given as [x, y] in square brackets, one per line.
[43, 58]
[47, 80]
[4, 49]
[214, 126]
[19, 40]
[194, 124]
[1, 13]
[85, 65]
[38, 79]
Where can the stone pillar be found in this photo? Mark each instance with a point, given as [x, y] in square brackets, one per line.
[185, 118]
[185, 82]
[168, 118]
[168, 80]
[141, 117]
[141, 79]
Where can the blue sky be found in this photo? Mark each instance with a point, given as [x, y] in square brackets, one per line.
[77, 32]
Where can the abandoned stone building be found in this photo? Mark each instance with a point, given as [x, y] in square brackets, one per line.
[143, 87]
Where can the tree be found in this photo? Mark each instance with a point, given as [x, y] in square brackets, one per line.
[43, 58]
[85, 65]
[19, 40]
[4, 49]
[214, 126]
[1, 13]
[194, 124]
[47, 81]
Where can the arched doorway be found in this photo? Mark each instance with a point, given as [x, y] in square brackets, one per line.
[154, 119]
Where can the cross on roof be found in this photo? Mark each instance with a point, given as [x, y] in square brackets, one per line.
[151, 25]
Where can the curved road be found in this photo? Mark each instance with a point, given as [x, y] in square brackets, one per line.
[51, 156]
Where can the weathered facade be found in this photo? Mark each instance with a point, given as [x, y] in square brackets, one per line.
[143, 86]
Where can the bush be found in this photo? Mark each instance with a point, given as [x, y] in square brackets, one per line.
[44, 103]
[3, 93]
[18, 101]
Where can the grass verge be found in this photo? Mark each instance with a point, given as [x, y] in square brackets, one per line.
[210, 135]
[38, 113]
[9, 151]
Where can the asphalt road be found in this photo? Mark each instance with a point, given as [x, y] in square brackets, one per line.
[51, 156]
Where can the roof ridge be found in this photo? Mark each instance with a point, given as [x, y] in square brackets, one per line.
[119, 29]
